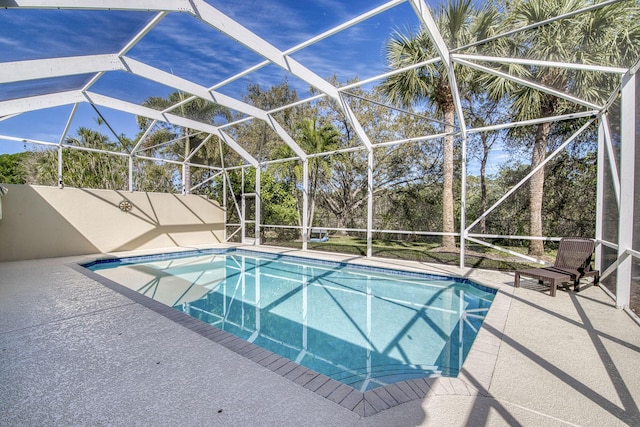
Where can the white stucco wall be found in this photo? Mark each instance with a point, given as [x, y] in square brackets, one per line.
[42, 222]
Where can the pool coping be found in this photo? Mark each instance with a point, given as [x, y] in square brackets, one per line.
[474, 378]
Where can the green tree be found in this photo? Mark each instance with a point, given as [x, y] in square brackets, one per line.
[279, 204]
[483, 111]
[256, 135]
[314, 139]
[12, 168]
[508, 218]
[281, 207]
[154, 176]
[606, 36]
[344, 192]
[81, 168]
[179, 142]
[570, 207]
[459, 24]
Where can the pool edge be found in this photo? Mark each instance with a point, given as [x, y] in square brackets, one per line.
[474, 377]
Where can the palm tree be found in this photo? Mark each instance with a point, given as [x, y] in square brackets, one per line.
[606, 36]
[459, 24]
[313, 139]
[198, 109]
[82, 169]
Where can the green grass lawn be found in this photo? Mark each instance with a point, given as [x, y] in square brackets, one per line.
[476, 256]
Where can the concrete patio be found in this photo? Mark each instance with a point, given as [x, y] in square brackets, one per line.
[74, 352]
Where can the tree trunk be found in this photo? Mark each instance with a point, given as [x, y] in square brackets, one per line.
[483, 183]
[313, 186]
[448, 242]
[536, 189]
[312, 211]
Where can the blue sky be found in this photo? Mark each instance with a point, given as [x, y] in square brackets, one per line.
[186, 47]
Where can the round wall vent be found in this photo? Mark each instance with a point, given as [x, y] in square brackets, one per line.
[125, 206]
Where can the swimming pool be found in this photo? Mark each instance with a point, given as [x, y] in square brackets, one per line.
[365, 327]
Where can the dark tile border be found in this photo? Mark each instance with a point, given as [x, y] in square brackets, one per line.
[362, 403]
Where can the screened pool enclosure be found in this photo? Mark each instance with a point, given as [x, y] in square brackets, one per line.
[405, 120]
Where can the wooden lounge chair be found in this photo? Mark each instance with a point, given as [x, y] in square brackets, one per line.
[573, 262]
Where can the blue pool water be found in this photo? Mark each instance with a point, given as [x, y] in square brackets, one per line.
[361, 326]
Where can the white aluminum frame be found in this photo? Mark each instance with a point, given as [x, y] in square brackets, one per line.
[627, 195]
[99, 65]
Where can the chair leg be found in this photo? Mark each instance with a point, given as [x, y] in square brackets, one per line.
[516, 281]
[553, 288]
[576, 285]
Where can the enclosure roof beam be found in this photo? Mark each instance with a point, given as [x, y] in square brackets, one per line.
[354, 21]
[164, 5]
[30, 141]
[136, 38]
[550, 119]
[389, 74]
[202, 144]
[231, 28]
[8, 117]
[150, 113]
[40, 102]
[307, 43]
[313, 40]
[65, 131]
[58, 145]
[130, 45]
[56, 67]
[357, 127]
[547, 159]
[554, 64]
[425, 16]
[143, 70]
[423, 12]
[530, 84]
[143, 137]
[220, 22]
[538, 24]
[236, 31]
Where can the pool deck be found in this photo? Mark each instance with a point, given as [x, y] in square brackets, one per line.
[76, 352]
